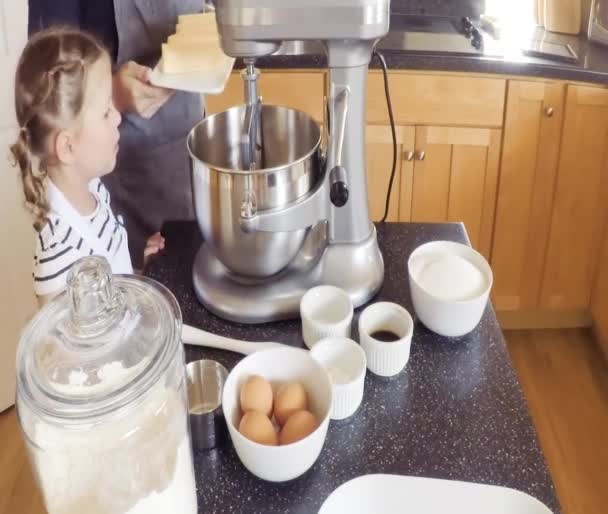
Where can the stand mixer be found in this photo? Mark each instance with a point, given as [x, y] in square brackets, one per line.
[278, 214]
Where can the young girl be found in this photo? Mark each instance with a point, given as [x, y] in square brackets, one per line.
[69, 139]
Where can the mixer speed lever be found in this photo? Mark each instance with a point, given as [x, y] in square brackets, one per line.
[338, 109]
[338, 189]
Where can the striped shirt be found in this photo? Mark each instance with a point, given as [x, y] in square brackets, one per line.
[59, 245]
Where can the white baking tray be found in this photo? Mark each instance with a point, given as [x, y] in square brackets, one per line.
[394, 494]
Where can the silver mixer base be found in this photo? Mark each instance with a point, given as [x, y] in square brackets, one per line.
[356, 268]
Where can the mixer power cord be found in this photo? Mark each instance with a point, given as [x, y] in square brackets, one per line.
[392, 120]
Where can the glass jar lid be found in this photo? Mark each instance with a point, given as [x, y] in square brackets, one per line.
[99, 345]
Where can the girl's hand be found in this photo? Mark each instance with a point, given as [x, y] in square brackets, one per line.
[132, 91]
[154, 244]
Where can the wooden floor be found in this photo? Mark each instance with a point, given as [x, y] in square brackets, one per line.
[565, 380]
[18, 492]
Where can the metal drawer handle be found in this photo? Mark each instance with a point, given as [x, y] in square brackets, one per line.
[409, 156]
[549, 112]
[420, 155]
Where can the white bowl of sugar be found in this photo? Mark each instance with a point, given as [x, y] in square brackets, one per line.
[450, 284]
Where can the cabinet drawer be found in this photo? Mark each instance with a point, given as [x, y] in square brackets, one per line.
[437, 99]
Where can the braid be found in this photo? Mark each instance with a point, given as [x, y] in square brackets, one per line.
[49, 92]
[33, 183]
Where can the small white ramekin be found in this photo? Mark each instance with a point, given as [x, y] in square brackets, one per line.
[345, 363]
[326, 311]
[386, 358]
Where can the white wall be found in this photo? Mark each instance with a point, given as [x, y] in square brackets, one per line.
[16, 234]
[521, 11]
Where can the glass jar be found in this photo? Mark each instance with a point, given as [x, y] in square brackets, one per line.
[102, 400]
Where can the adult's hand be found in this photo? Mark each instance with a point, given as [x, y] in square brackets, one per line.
[133, 92]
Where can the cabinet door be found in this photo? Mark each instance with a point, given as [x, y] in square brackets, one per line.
[455, 176]
[581, 201]
[599, 299]
[525, 192]
[302, 90]
[379, 161]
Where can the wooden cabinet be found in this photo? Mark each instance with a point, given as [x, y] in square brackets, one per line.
[379, 157]
[581, 201]
[302, 90]
[599, 299]
[448, 149]
[442, 174]
[455, 179]
[437, 99]
[525, 195]
[552, 203]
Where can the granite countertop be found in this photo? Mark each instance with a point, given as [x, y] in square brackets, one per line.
[455, 412]
[592, 65]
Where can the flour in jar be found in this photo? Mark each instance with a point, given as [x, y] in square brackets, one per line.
[449, 277]
[138, 463]
[180, 495]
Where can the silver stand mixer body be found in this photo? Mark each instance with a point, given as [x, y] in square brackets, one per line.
[327, 234]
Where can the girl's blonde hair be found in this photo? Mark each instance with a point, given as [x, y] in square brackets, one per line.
[50, 83]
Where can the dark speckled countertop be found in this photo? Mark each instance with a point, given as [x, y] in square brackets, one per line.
[456, 411]
[592, 64]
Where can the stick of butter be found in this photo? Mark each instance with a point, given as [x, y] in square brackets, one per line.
[189, 57]
[196, 18]
[196, 23]
[194, 47]
[204, 39]
[192, 29]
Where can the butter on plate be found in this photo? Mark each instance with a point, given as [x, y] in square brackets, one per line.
[189, 57]
[194, 46]
[196, 23]
[192, 58]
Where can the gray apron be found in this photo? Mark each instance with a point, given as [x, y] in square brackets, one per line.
[152, 179]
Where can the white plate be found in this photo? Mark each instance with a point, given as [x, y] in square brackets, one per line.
[210, 81]
[394, 494]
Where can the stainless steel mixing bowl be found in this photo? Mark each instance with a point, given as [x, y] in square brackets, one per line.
[289, 160]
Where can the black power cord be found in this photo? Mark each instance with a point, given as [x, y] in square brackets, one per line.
[392, 119]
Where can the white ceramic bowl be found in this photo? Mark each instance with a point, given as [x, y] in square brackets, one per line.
[345, 362]
[279, 365]
[326, 311]
[450, 318]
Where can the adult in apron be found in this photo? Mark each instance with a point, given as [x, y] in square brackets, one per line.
[152, 179]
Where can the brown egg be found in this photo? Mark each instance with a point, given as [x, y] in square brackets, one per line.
[258, 427]
[298, 426]
[256, 395]
[290, 398]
